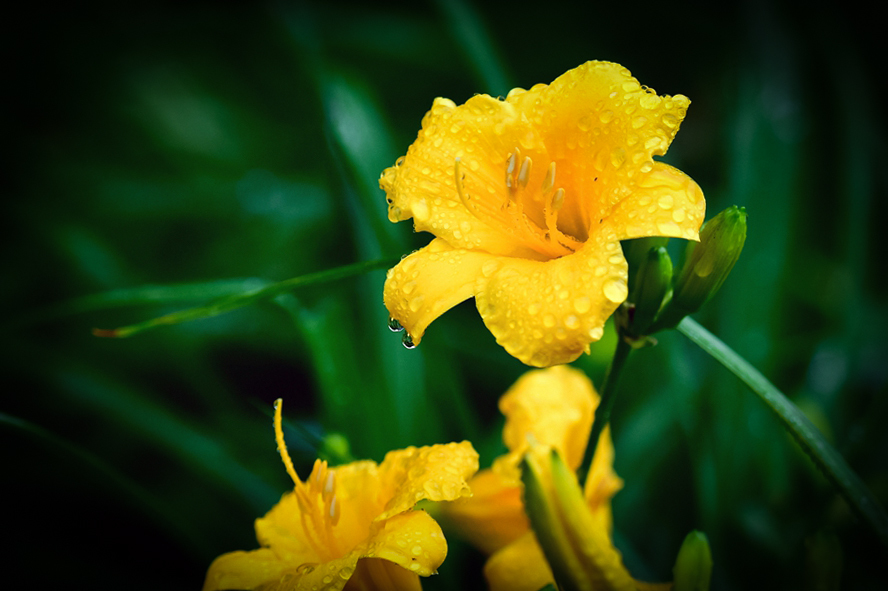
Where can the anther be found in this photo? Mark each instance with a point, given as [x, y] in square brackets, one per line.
[328, 486]
[524, 173]
[558, 199]
[549, 181]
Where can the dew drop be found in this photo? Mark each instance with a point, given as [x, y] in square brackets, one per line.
[596, 333]
[420, 210]
[548, 321]
[408, 288]
[417, 550]
[650, 101]
[533, 309]
[394, 325]
[572, 322]
[416, 303]
[669, 120]
[618, 157]
[346, 572]
[606, 116]
[668, 229]
[615, 259]
[638, 122]
[327, 580]
[426, 171]
[582, 305]
[407, 340]
[465, 227]
[414, 566]
[584, 123]
[615, 290]
[630, 86]
[489, 268]
[678, 215]
[666, 201]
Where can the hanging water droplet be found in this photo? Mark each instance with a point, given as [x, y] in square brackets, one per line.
[394, 325]
[407, 340]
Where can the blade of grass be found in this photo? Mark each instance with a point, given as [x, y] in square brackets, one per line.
[239, 300]
[830, 462]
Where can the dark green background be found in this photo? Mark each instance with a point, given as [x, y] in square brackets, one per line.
[167, 144]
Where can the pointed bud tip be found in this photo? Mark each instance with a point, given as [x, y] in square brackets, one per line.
[693, 566]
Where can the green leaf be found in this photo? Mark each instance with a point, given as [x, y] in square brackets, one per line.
[239, 300]
[830, 462]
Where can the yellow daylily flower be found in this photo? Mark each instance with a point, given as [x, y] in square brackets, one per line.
[352, 527]
[528, 198]
[545, 409]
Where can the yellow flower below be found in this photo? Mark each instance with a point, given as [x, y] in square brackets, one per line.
[544, 409]
[352, 527]
[528, 198]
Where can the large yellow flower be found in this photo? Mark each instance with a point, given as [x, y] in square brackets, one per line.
[552, 408]
[528, 198]
[352, 526]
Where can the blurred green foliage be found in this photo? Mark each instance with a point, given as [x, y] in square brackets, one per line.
[231, 145]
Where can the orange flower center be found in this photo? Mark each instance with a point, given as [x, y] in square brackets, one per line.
[530, 213]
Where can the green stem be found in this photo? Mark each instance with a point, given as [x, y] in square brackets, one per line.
[830, 462]
[603, 412]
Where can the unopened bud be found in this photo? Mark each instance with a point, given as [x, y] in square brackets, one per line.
[693, 567]
[652, 282]
[705, 265]
[577, 548]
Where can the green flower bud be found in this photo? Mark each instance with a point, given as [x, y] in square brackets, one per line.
[652, 282]
[705, 265]
[693, 567]
[577, 547]
[636, 252]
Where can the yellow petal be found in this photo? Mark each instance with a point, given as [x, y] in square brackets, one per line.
[375, 574]
[245, 570]
[283, 530]
[520, 566]
[412, 540]
[547, 313]
[602, 483]
[430, 281]
[664, 202]
[481, 134]
[601, 127]
[436, 473]
[555, 407]
[493, 516]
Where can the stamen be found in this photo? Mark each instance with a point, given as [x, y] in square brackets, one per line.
[282, 447]
[334, 510]
[328, 486]
[558, 199]
[510, 167]
[549, 181]
[524, 173]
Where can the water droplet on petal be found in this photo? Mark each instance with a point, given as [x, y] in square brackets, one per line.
[615, 290]
[420, 210]
[548, 321]
[618, 157]
[678, 215]
[650, 101]
[571, 322]
[489, 268]
[416, 303]
[582, 305]
[666, 201]
[596, 333]
[606, 116]
[668, 229]
[407, 340]
[669, 120]
[394, 325]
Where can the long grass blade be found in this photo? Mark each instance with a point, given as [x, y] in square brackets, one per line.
[239, 300]
[830, 462]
